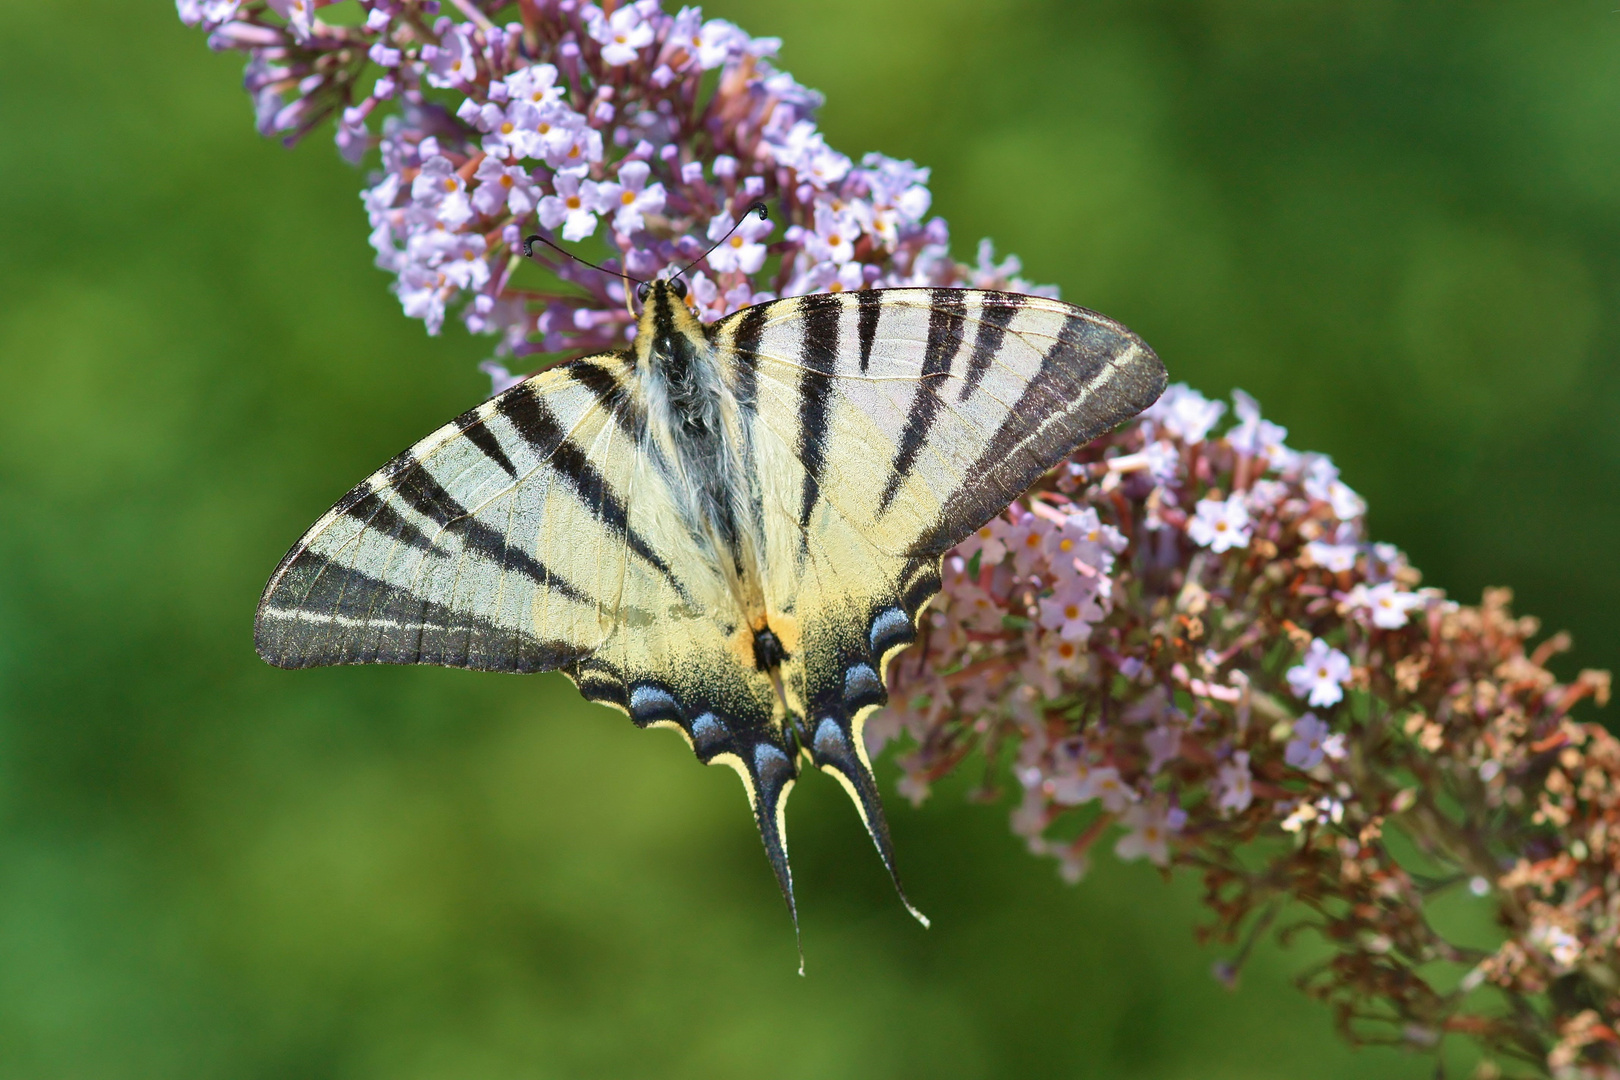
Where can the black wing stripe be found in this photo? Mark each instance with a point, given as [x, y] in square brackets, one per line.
[995, 313]
[472, 425]
[427, 496]
[745, 335]
[538, 426]
[612, 394]
[819, 358]
[375, 513]
[946, 319]
[487, 542]
[871, 307]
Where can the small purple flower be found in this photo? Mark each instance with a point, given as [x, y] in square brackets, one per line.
[1220, 524]
[743, 251]
[453, 62]
[1152, 824]
[1028, 542]
[1235, 783]
[300, 15]
[622, 35]
[1321, 676]
[1163, 743]
[208, 13]
[989, 542]
[632, 197]
[1257, 436]
[566, 142]
[1072, 609]
[503, 188]
[1103, 784]
[535, 85]
[1336, 558]
[1384, 605]
[1322, 482]
[1085, 537]
[440, 192]
[1305, 749]
[573, 207]
[1185, 413]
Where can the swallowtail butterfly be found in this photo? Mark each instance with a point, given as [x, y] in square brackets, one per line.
[728, 530]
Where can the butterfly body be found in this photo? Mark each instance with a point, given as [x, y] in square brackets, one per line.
[729, 530]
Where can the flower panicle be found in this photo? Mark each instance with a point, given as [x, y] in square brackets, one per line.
[1194, 647]
[1183, 632]
[625, 125]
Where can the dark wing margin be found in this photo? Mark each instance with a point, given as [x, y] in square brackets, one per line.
[324, 613]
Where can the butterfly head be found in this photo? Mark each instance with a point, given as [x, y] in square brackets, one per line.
[667, 333]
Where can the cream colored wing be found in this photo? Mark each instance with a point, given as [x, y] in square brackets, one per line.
[532, 533]
[886, 426]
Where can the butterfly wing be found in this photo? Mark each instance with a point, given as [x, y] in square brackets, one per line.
[442, 556]
[888, 426]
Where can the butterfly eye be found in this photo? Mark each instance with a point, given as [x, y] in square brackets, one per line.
[678, 286]
[641, 293]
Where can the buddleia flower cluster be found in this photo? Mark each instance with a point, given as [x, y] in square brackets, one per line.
[1192, 651]
[1183, 638]
[649, 132]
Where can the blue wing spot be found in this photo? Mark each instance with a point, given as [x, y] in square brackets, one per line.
[707, 730]
[829, 737]
[892, 627]
[862, 686]
[650, 703]
[769, 762]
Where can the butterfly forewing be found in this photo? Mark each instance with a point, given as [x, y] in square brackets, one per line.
[450, 554]
[924, 412]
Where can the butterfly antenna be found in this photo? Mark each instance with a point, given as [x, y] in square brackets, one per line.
[528, 253]
[758, 207]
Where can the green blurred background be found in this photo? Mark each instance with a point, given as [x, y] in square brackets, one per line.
[1396, 224]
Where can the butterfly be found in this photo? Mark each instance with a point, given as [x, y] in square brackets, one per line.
[727, 530]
